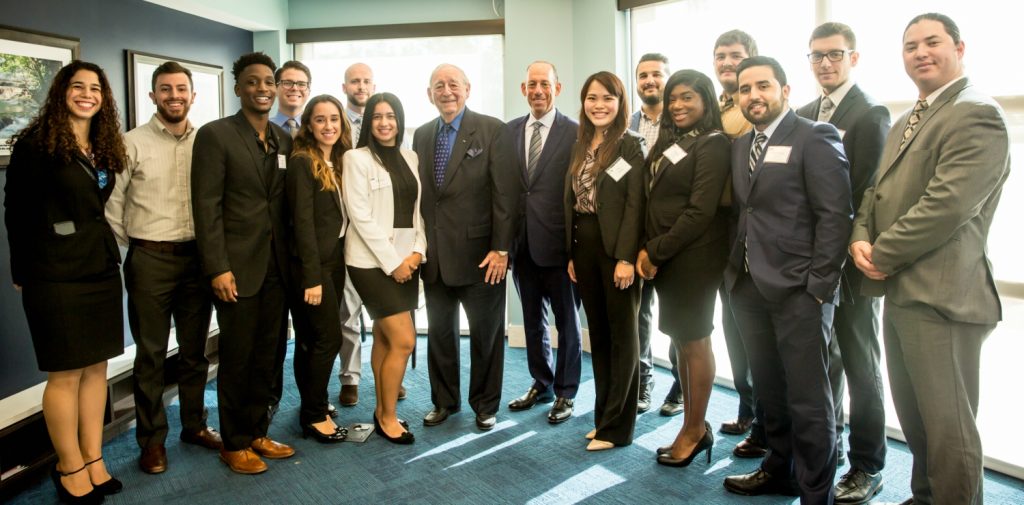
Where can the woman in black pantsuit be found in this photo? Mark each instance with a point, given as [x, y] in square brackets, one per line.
[64, 260]
[603, 216]
[685, 244]
[313, 185]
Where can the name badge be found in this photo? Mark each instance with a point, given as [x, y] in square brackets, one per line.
[282, 162]
[777, 154]
[675, 153]
[618, 169]
[380, 182]
[64, 228]
[842, 134]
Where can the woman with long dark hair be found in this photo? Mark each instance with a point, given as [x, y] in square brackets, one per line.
[64, 260]
[685, 244]
[604, 219]
[385, 249]
[313, 185]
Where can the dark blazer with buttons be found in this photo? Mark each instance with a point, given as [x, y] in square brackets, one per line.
[41, 192]
[315, 219]
[620, 204]
[683, 197]
[474, 211]
[239, 208]
[794, 217]
[544, 190]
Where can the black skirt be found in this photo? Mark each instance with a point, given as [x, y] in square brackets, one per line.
[75, 324]
[382, 295]
[687, 286]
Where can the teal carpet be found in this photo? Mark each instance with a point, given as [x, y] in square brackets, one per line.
[523, 460]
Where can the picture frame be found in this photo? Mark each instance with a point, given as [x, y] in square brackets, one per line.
[207, 82]
[29, 60]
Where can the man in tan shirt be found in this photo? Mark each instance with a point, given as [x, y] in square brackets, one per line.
[150, 211]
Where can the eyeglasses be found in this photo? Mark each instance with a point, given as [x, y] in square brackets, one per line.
[833, 56]
[296, 84]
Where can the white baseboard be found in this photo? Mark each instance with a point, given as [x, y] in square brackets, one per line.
[517, 337]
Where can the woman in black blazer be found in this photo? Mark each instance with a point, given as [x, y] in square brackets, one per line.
[685, 244]
[604, 218]
[64, 260]
[313, 185]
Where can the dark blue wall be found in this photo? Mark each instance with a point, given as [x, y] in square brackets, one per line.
[106, 28]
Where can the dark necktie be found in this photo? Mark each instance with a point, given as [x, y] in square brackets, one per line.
[442, 151]
[826, 109]
[535, 148]
[756, 150]
[292, 126]
[915, 117]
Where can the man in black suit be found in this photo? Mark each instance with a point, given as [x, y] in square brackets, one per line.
[469, 198]
[863, 124]
[791, 188]
[238, 167]
[543, 142]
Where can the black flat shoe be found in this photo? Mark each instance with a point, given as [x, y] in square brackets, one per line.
[405, 438]
[705, 445]
[91, 498]
[111, 486]
[339, 435]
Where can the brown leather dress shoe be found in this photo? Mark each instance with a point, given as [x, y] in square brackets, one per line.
[207, 437]
[269, 449]
[153, 459]
[749, 448]
[244, 461]
[737, 427]
[349, 395]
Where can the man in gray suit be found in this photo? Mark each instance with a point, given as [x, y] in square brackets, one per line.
[920, 239]
[863, 124]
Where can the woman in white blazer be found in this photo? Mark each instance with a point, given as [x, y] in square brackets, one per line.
[384, 249]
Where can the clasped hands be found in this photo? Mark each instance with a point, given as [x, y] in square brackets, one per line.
[861, 252]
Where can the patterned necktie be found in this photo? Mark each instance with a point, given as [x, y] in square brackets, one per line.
[442, 150]
[535, 148]
[825, 111]
[292, 126]
[357, 125]
[915, 117]
[756, 150]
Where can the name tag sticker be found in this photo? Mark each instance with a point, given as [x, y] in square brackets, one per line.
[380, 182]
[282, 162]
[64, 228]
[675, 153]
[777, 154]
[842, 134]
[618, 169]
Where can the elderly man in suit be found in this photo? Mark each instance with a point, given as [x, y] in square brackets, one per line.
[863, 124]
[920, 237]
[543, 140]
[238, 167]
[791, 188]
[470, 193]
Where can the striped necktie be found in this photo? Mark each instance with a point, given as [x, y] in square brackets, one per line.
[756, 150]
[915, 117]
[535, 148]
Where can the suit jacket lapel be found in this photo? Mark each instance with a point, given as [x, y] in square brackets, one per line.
[686, 144]
[557, 128]
[779, 136]
[848, 102]
[930, 112]
[246, 132]
[520, 143]
[463, 139]
[741, 176]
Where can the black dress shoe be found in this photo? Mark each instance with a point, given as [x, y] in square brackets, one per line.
[705, 445]
[528, 400]
[737, 427]
[438, 416]
[749, 448]
[108, 487]
[858, 486]
[671, 408]
[760, 482]
[561, 411]
[92, 497]
[339, 435]
[485, 422]
[643, 404]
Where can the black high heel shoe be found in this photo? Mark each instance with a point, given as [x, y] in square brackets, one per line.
[705, 445]
[111, 486]
[91, 498]
[339, 435]
[668, 448]
[405, 438]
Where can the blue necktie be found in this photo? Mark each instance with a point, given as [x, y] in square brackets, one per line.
[442, 151]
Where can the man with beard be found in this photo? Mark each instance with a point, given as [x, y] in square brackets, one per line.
[651, 73]
[150, 212]
[791, 186]
[238, 191]
[293, 80]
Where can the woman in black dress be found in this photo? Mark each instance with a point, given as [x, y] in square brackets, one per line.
[384, 250]
[685, 244]
[603, 221]
[64, 260]
[313, 185]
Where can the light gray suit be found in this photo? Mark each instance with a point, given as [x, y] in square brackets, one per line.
[928, 218]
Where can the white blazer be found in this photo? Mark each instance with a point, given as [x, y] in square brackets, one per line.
[369, 202]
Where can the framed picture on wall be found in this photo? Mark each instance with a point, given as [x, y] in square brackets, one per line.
[28, 62]
[207, 81]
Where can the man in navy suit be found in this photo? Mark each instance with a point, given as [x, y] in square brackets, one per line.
[543, 141]
[791, 188]
[863, 124]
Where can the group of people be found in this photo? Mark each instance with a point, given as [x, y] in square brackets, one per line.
[796, 220]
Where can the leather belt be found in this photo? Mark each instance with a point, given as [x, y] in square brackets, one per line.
[187, 248]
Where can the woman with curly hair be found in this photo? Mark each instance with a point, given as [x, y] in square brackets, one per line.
[64, 260]
[313, 185]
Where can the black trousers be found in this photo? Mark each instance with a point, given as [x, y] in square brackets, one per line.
[614, 344]
[485, 308]
[317, 342]
[644, 326]
[787, 342]
[162, 286]
[740, 365]
[250, 335]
